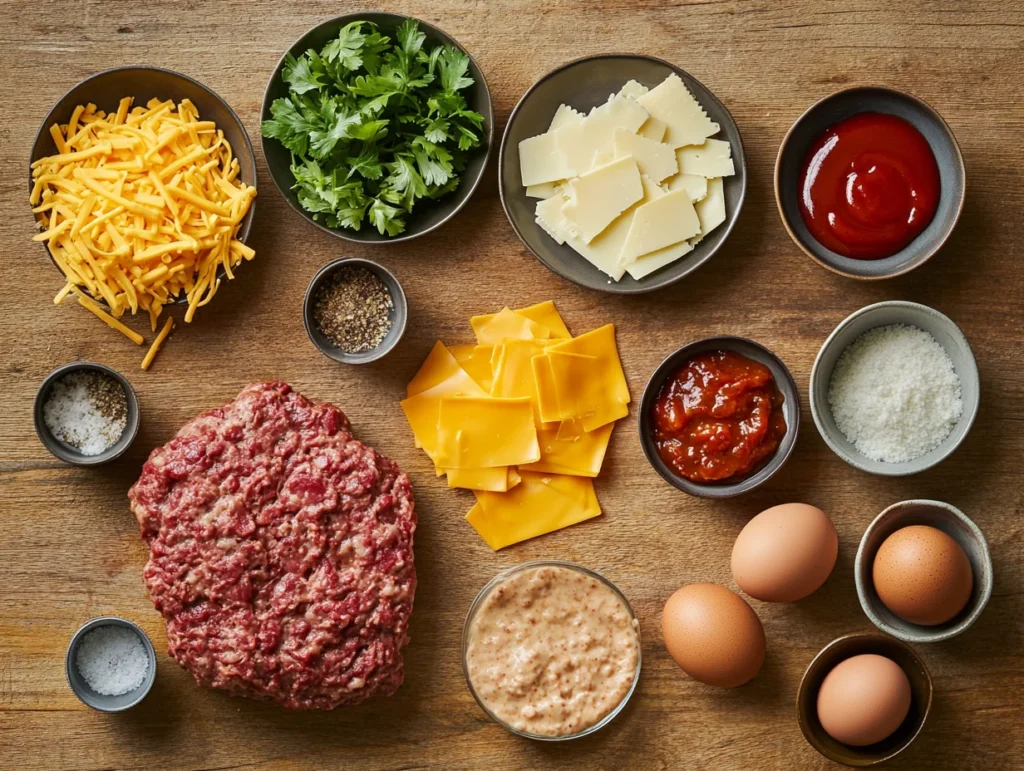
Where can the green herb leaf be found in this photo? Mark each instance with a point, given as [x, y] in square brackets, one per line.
[299, 73]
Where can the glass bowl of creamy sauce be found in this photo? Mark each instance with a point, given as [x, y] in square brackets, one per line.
[551, 650]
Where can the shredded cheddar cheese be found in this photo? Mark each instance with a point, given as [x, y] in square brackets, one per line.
[151, 353]
[140, 207]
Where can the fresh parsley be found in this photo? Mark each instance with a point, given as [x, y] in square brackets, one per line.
[374, 125]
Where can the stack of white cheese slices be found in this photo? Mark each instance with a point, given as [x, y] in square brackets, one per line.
[633, 185]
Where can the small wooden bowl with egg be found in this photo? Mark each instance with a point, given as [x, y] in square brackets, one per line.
[849, 717]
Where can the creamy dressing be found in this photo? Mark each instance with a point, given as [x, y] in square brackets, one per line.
[551, 650]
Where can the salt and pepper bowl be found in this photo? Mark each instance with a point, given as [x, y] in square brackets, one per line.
[949, 520]
[791, 410]
[945, 332]
[69, 454]
[838, 651]
[99, 701]
[398, 315]
[838, 107]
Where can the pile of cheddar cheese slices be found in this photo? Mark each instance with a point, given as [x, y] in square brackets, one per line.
[522, 418]
[635, 184]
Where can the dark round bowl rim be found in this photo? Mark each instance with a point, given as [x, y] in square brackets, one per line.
[96, 623]
[880, 638]
[577, 568]
[912, 263]
[243, 231]
[401, 301]
[55, 448]
[772, 466]
[489, 119]
[613, 288]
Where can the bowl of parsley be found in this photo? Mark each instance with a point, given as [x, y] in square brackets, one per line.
[377, 127]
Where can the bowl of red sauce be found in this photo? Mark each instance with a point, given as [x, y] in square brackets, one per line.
[870, 182]
[719, 417]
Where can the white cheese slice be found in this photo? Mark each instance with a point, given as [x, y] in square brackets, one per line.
[603, 252]
[543, 190]
[713, 158]
[541, 160]
[601, 158]
[694, 184]
[598, 197]
[660, 224]
[646, 265]
[711, 211]
[653, 129]
[548, 215]
[564, 116]
[672, 103]
[654, 159]
[580, 142]
[633, 90]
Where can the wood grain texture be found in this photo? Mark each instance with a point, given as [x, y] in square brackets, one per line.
[69, 548]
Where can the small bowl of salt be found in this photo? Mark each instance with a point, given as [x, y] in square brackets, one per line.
[110, 664]
[86, 414]
[895, 388]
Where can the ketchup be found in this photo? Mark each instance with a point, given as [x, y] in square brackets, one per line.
[869, 186]
[718, 417]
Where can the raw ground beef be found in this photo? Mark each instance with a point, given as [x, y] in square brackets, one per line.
[281, 552]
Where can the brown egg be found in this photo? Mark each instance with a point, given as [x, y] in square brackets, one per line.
[713, 635]
[922, 575]
[785, 553]
[864, 699]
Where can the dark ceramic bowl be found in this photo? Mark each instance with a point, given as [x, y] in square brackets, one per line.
[398, 315]
[426, 215]
[945, 332]
[106, 89]
[838, 651]
[69, 454]
[791, 409]
[838, 107]
[583, 84]
[99, 701]
[954, 523]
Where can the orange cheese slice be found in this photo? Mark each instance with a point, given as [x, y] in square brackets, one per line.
[422, 408]
[507, 325]
[596, 389]
[513, 373]
[439, 365]
[543, 313]
[475, 432]
[540, 504]
[579, 455]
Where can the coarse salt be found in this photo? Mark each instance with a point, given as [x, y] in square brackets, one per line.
[895, 394]
[112, 660]
[87, 411]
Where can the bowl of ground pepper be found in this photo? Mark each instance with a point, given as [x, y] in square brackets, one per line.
[354, 311]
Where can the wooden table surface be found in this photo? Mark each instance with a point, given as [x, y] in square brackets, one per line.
[69, 546]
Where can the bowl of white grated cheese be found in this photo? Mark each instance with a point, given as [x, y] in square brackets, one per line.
[895, 388]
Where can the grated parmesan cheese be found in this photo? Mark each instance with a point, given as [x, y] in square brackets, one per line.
[894, 393]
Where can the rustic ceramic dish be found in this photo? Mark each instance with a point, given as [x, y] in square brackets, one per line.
[945, 332]
[398, 315]
[839, 650]
[583, 84]
[465, 644]
[69, 454]
[98, 701]
[838, 107]
[426, 215]
[791, 408]
[105, 89]
[951, 521]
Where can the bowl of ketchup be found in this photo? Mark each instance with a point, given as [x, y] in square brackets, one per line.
[870, 182]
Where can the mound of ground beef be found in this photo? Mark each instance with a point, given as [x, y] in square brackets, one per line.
[281, 552]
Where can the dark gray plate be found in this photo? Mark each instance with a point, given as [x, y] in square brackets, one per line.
[791, 411]
[105, 89]
[583, 84]
[840, 106]
[426, 215]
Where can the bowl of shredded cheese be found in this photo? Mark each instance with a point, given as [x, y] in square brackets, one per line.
[142, 181]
